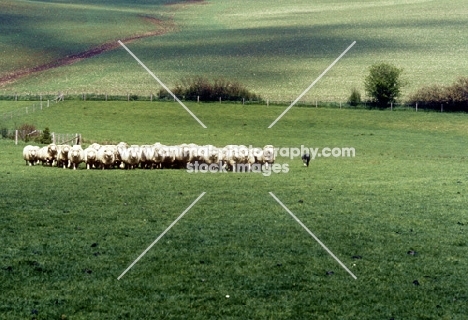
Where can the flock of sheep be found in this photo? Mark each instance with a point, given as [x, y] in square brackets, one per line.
[159, 156]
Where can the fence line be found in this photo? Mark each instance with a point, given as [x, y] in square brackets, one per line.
[25, 135]
[44, 101]
[9, 115]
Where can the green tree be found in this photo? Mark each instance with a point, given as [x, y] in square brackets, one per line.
[355, 98]
[383, 84]
[45, 136]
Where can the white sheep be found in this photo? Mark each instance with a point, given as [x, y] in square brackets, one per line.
[268, 155]
[164, 156]
[106, 156]
[157, 155]
[147, 156]
[119, 151]
[75, 156]
[30, 154]
[131, 157]
[236, 157]
[182, 155]
[48, 154]
[62, 155]
[208, 154]
[90, 157]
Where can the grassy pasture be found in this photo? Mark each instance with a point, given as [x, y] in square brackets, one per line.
[276, 49]
[67, 235]
[36, 32]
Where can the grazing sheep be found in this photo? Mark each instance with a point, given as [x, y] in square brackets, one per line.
[182, 155]
[106, 156]
[231, 157]
[166, 156]
[62, 155]
[131, 157]
[75, 156]
[30, 154]
[242, 158]
[120, 150]
[147, 156]
[48, 154]
[157, 156]
[226, 157]
[193, 153]
[90, 158]
[236, 157]
[265, 156]
[208, 154]
[268, 155]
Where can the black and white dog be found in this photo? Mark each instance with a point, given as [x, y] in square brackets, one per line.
[306, 159]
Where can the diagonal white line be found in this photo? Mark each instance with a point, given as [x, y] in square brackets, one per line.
[162, 84]
[313, 236]
[162, 234]
[313, 83]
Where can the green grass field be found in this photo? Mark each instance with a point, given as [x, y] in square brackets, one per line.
[276, 50]
[67, 235]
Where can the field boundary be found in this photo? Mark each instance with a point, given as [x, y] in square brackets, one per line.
[151, 97]
[24, 135]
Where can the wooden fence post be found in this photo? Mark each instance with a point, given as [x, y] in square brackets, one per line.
[16, 137]
[198, 99]
[151, 98]
[416, 107]
[47, 103]
[316, 105]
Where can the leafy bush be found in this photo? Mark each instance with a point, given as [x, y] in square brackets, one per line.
[202, 88]
[383, 84]
[355, 98]
[453, 97]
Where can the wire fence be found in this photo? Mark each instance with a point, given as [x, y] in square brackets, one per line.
[45, 100]
[37, 135]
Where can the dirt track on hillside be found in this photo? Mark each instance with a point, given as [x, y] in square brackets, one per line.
[163, 27]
